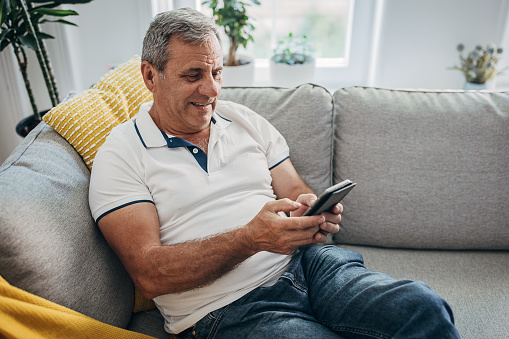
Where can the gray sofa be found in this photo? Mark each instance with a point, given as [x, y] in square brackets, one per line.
[432, 201]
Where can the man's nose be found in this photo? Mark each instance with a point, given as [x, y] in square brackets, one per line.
[210, 86]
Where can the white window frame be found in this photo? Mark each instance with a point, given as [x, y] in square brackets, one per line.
[357, 67]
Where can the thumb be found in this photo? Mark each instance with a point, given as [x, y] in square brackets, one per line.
[307, 199]
[283, 205]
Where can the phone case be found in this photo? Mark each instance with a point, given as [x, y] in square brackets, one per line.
[330, 197]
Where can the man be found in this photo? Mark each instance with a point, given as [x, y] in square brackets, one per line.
[193, 195]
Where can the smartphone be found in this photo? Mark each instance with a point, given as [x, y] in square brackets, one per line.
[330, 197]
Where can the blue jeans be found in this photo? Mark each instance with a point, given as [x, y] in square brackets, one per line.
[328, 293]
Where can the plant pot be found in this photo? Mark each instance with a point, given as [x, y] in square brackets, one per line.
[242, 75]
[285, 75]
[28, 124]
[469, 86]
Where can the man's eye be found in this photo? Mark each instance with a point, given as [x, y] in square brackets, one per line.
[193, 77]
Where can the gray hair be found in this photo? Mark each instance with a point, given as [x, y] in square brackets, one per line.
[186, 24]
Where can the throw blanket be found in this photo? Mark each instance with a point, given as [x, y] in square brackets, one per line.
[24, 315]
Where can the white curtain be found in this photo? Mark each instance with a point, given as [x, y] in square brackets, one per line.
[14, 104]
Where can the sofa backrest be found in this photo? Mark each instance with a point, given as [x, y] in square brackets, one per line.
[431, 167]
[303, 115]
[49, 244]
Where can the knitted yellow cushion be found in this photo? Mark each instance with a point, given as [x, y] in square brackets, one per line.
[86, 119]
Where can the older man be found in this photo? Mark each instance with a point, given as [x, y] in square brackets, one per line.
[193, 195]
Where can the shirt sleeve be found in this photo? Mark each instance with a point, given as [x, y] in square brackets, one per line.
[115, 180]
[276, 148]
[270, 139]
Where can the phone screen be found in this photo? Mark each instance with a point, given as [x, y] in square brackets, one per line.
[330, 197]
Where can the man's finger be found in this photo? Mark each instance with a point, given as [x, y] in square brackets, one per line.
[307, 199]
[283, 205]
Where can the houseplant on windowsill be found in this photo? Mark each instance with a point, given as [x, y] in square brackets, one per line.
[232, 16]
[479, 66]
[20, 27]
[292, 63]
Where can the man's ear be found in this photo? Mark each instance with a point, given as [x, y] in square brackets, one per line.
[149, 73]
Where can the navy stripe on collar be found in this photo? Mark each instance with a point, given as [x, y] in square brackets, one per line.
[223, 117]
[139, 135]
[195, 151]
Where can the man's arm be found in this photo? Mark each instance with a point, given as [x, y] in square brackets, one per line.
[133, 233]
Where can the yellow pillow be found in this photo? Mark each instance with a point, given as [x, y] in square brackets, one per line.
[86, 119]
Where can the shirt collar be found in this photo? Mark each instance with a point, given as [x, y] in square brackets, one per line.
[151, 136]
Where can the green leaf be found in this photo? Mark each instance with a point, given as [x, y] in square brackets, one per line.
[61, 21]
[55, 12]
[41, 36]
[3, 34]
[28, 41]
[72, 2]
[5, 9]
[61, 2]
[4, 44]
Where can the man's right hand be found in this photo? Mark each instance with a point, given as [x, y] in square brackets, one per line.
[269, 231]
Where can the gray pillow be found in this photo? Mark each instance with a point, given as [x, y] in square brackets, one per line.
[431, 167]
[303, 115]
[49, 244]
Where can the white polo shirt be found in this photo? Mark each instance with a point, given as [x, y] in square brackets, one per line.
[195, 195]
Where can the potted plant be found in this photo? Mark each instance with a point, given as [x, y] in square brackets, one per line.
[20, 27]
[479, 66]
[292, 63]
[231, 15]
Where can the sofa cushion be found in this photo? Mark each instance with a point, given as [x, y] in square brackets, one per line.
[86, 119]
[474, 283]
[431, 168]
[49, 244]
[150, 323]
[303, 115]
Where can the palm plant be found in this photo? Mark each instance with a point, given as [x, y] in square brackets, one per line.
[20, 27]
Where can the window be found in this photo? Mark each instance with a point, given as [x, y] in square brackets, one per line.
[343, 33]
[326, 23]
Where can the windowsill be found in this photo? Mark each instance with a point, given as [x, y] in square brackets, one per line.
[323, 66]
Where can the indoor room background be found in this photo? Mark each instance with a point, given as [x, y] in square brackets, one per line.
[381, 43]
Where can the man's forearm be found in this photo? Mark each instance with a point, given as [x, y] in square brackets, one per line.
[182, 267]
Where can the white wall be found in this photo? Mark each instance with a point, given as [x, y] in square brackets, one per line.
[13, 102]
[418, 39]
[110, 32]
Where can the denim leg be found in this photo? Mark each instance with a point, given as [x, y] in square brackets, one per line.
[279, 311]
[359, 303]
[328, 293]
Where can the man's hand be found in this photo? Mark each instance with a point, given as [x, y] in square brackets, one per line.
[332, 219]
[270, 232]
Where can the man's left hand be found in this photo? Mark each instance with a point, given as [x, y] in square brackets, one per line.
[332, 219]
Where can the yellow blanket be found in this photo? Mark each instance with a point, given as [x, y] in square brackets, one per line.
[24, 315]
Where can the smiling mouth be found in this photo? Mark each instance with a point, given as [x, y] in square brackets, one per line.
[199, 105]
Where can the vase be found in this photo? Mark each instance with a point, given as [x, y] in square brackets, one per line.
[291, 75]
[242, 75]
[470, 86]
[26, 125]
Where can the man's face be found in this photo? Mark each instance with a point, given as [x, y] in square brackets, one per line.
[186, 96]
